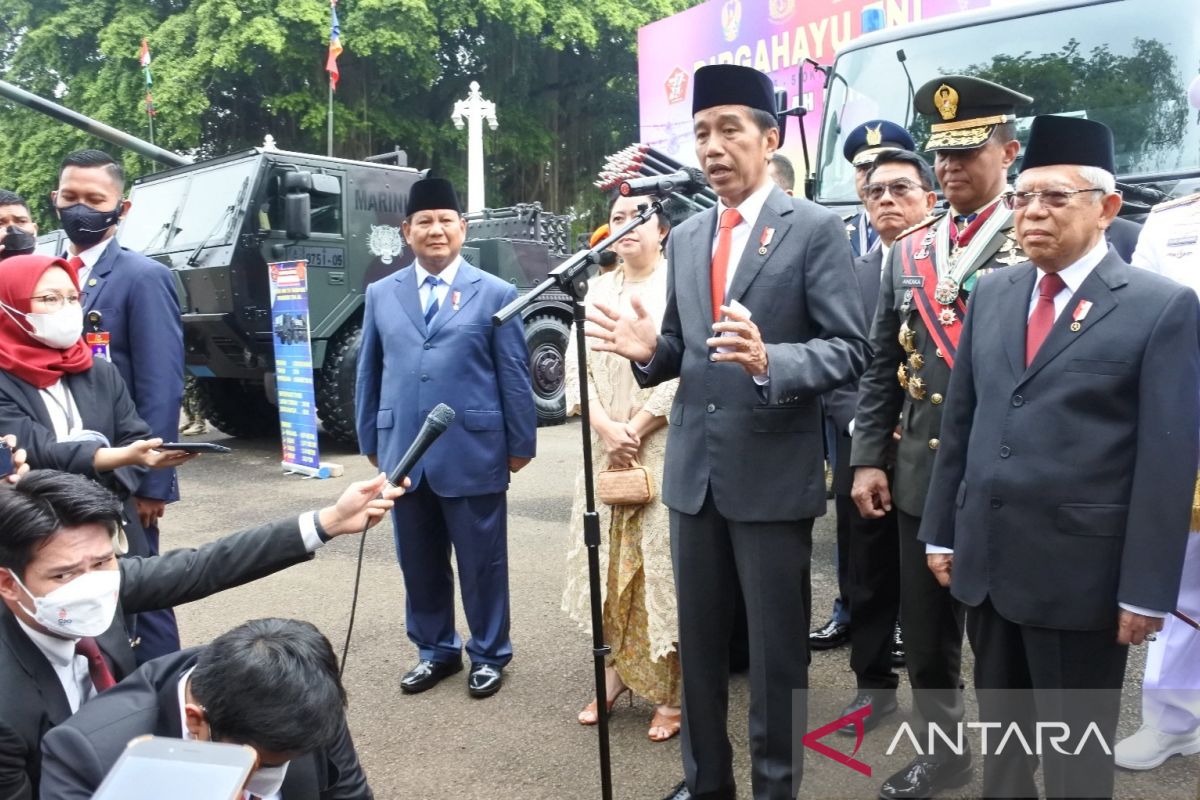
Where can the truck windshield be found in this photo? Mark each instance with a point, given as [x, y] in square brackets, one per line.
[1126, 63]
[178, 212]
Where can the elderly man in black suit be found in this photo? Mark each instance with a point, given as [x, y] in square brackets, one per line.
[62, 634]
[1060, 500]
[756, 328]
[271, 684]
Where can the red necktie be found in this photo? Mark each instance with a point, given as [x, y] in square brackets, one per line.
[1042, 318]
[102, 676]
[730, 219]
[76, 262]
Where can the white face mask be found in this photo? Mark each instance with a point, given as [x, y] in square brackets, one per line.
[59, 329]
[267, 781]
[82, 607]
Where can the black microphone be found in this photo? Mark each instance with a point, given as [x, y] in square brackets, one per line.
[434, 426]
[685, 181]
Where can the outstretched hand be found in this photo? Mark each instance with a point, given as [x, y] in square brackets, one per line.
[635, 338]
[361, 506]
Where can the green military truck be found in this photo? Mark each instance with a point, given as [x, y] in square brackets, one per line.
[1126, 63]
[218, 223]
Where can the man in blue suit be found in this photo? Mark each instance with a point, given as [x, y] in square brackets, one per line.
[133, 299]
[428, 339]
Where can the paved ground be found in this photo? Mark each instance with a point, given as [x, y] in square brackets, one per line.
[524, 743]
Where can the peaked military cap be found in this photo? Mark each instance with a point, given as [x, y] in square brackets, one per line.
[432, 194]
[965, 110]
[1069, 140]
[874, 137]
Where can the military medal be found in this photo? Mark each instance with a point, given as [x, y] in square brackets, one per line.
[947, 316]
[946, 291]
[902, 377]
[915, 361]
[908, 338]
[1081, 311]
[767, 235]
[916, 388]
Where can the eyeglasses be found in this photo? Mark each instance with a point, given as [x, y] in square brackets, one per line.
[56, 301]
[899, 189]
[1050, 198]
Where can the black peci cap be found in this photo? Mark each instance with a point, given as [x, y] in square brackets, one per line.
[432, 194]
[969, 110]
[1069, 140]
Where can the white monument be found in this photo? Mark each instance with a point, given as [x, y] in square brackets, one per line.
[474, 109]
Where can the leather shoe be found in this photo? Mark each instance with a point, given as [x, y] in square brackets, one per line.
[832, 634]
[427, 673]
[484, 680]
[681, 792]
[897, 646]
[925, 776]
[882, 703]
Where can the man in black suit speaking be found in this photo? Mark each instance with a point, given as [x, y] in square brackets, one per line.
[1059, 505]
[62, 633]
[271, 684]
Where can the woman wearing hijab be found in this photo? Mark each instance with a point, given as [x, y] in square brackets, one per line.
[70, 411]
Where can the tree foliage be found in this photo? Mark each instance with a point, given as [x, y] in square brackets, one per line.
[226, 73]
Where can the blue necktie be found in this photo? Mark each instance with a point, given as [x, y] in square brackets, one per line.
[431, 308]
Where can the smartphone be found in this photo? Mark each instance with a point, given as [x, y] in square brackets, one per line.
[154, 767]
[195, 447]
[6, 460]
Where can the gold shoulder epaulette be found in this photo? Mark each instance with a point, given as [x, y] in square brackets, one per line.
[1178, 202]
[922, 224]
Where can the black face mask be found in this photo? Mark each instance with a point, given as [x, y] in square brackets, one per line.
[17, 242]
[86, 226]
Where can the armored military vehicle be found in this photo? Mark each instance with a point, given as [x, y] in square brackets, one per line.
[1126, 63]
[218, 223]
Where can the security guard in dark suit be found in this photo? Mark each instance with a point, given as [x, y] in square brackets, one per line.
[862, 145]
[929, 274]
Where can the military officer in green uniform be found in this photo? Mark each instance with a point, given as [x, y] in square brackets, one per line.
[928, 276]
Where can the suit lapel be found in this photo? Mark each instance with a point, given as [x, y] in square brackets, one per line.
[410, 299]
[464, 288]
[1097, 288]
[698, 251]
[1014, 318]
[36, 666]
[99, 277]
[33, 400]
[772, 216]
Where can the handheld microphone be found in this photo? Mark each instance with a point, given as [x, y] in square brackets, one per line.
[434, 426]
[684, 181]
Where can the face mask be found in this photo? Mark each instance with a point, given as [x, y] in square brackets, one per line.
[86, 226]
[83, 607]
[17, 242]
[59, 329]
[266, 781]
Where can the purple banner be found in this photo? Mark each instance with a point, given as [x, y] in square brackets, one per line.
[774, 36]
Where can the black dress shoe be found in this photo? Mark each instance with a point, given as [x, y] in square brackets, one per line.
[484, 680]
[681, 792]
[832, 634]
[897, 646]
[426, 675]
[925, 777]
[882, 703]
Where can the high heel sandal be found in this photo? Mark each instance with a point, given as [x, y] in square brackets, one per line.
[668, 721]
[589, 715]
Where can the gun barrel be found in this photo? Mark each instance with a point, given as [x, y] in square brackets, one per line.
[95, 128]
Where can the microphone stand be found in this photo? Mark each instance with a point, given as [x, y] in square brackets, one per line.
[571, 277]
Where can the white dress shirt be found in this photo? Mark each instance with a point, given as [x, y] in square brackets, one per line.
[89, 258]
[70, 669]
[446, 277]
[750, 209]
[64, 414]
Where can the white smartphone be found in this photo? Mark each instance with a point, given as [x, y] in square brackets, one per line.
[154, 767]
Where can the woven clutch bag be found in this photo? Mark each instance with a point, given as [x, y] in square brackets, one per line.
[630, 486]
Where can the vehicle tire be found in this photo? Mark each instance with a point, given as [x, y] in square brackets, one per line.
[238, 408]
[546, 336]
[335, 384]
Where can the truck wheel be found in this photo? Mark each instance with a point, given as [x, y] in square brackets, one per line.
[239, 408]
[335, 385]
[546, 337]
